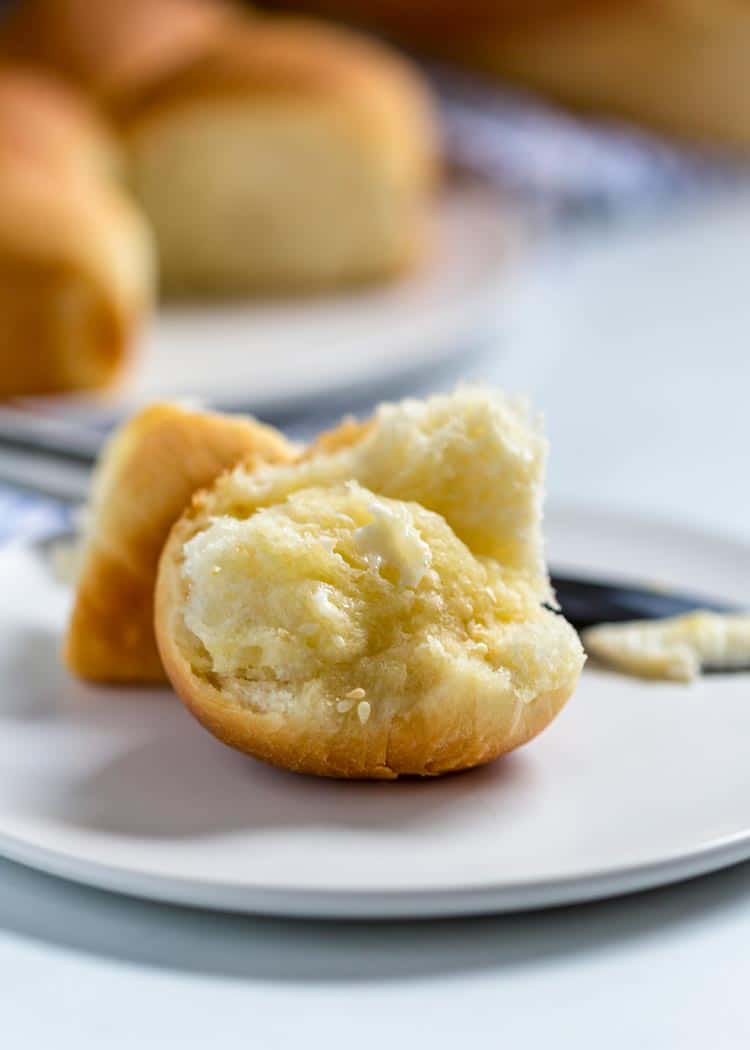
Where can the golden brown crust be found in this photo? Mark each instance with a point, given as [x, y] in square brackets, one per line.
[429, 739]
[350, 112]
[301, 58]
[146, 478]
[51, 125]
[112, 49]
[137, 56]
[306, 62]
[677, 65]
[637, 61]
[59, 333]
[76, 259]
[348, 432]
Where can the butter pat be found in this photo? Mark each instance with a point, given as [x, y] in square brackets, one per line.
[390, 541]
[674, 649]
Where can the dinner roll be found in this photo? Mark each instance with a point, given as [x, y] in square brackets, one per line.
[677, 65]
[375, 609]
[269, 154]
[295, 156]
[147, 473]
[76, 258]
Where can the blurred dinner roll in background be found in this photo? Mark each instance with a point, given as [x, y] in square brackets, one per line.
[292, 156]
[45, 121]
[680, 66]
[268, 153]
[76, 258]
[259, 154]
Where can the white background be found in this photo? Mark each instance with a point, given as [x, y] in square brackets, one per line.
[637, 349]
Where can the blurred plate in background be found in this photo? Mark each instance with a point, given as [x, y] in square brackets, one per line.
[276, 355]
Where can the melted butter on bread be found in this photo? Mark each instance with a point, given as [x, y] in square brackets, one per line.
[376, 607]
[390, 541]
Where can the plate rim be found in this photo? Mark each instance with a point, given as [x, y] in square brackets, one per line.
[470, 321]
[378, 903]
[372, 902]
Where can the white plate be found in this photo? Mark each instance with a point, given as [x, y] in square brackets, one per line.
[276, 354]
[634, 785]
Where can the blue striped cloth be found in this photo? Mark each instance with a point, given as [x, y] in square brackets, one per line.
[26, 514]
[568, 164]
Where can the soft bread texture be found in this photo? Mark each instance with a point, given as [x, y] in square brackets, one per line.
[76, 259]
[677, 65]
[327, 150]
[146, 476]
[374, 609]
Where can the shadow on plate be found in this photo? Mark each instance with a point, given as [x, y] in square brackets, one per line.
[187, 785]
[34, 659]
[142, 768]
[50, 693]
[163, 777]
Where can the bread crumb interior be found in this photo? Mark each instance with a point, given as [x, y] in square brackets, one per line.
[406, 564]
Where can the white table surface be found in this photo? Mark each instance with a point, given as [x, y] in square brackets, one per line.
[637, 350]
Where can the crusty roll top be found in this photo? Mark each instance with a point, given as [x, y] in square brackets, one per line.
[308, 64]
[145, 477]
